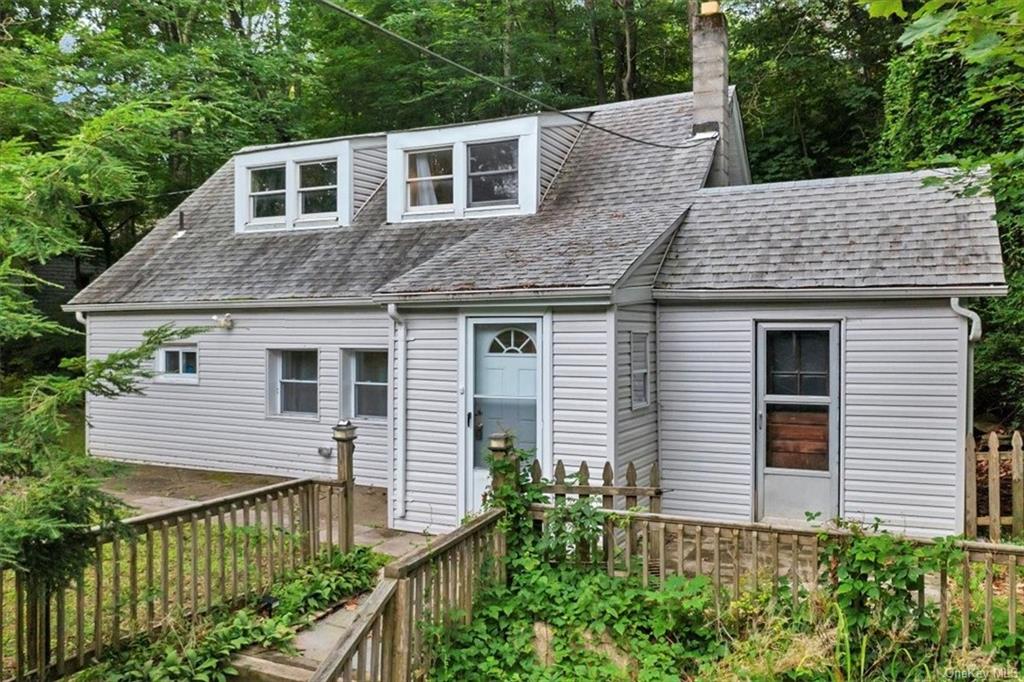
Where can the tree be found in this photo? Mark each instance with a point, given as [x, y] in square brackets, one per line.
[954, 98]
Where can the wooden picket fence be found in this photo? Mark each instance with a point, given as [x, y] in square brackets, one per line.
[167, 566]
[578, 485]
[994, 487]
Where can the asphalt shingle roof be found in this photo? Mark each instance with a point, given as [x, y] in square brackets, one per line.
[888, 230]
[609, 202]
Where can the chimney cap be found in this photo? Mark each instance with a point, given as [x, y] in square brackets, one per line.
[709, 8]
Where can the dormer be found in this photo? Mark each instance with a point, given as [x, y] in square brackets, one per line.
[464, 171]
[311, 185]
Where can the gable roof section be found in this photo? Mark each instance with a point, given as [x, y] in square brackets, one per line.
[874, 231]
[612, 199]
[609, 201]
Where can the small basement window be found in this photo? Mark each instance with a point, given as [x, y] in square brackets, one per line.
[294, 382]
[179, 363]
[639, 369]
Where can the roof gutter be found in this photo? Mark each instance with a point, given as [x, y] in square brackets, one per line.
[218, 305]
[828, 293]
[502, 295]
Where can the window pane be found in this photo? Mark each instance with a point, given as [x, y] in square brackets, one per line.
[318, 174]
[188, 364]
[781, 352]
[298, 364]
[638, 351]
[782, 383]
[813, 351]
[372, 367]
[430, 164]
[268, 205]
[319, 201]
[430, 192]
[371, 401]
[813, 384]
[172, 362]
[639, 386]
[267, 179]
[493, 156]
[499, 188]
[298, 397]
[797, 437]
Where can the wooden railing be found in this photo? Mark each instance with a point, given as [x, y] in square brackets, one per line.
[433, 586]
[172, 564]
[994, 487]
[749, 557]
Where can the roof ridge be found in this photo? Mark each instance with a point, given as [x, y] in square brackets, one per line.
[828, 182]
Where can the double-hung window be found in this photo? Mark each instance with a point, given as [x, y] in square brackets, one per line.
[639, 369]
[295, 187]
[478, 170]
[178, 363]
[430, 178]
[318, 187]
[267, 192]
[369, 373]
[294, 382]
[493, 173]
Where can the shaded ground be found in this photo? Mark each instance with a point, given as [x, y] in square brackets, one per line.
[148, 488]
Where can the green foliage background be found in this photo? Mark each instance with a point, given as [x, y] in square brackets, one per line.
[132, 103]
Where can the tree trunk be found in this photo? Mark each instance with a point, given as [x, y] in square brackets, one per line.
[595, 51]
[625, 52]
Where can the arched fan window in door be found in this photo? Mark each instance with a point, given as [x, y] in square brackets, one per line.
[512, 341]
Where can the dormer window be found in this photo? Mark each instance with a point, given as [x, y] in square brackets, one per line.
[429, 178]
[267, 192]
[474, 170]
[294, 187]
[318, 187]
[493, 173]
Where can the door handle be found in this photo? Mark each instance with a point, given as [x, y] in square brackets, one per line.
[760, 420]
[478, 424]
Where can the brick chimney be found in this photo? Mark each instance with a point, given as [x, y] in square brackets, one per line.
[709, 41]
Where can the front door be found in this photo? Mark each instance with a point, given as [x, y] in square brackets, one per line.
[797, 421]
[503, 378]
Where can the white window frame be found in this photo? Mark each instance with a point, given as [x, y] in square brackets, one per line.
[646, 371]
[299, 189]
[291, 157]
[430, 208]
[275, 362]
[176, 377]
[349, 383]
[524, 129]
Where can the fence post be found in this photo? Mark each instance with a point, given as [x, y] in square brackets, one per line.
[401, 646]
[971, 489]
[500, 445]
[344, 435]
[995, 509]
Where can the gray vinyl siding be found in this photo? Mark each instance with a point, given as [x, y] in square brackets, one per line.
[555, 144]
[369, 169]
[581, 410]
[432, 422]
[221, 422]
[636, 431]
[902, 412]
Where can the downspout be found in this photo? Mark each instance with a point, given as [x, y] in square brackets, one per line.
[973, 336]
[400, 437]
[80, 317]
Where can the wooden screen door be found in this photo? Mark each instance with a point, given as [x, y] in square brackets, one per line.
[797, 420]
[504, 376]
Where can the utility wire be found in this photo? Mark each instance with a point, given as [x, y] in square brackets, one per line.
[488, 79]
[145, 196]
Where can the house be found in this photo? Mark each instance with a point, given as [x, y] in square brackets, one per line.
[605, 284]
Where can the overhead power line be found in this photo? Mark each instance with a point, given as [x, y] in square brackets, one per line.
[488, 79]
[145, 196]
